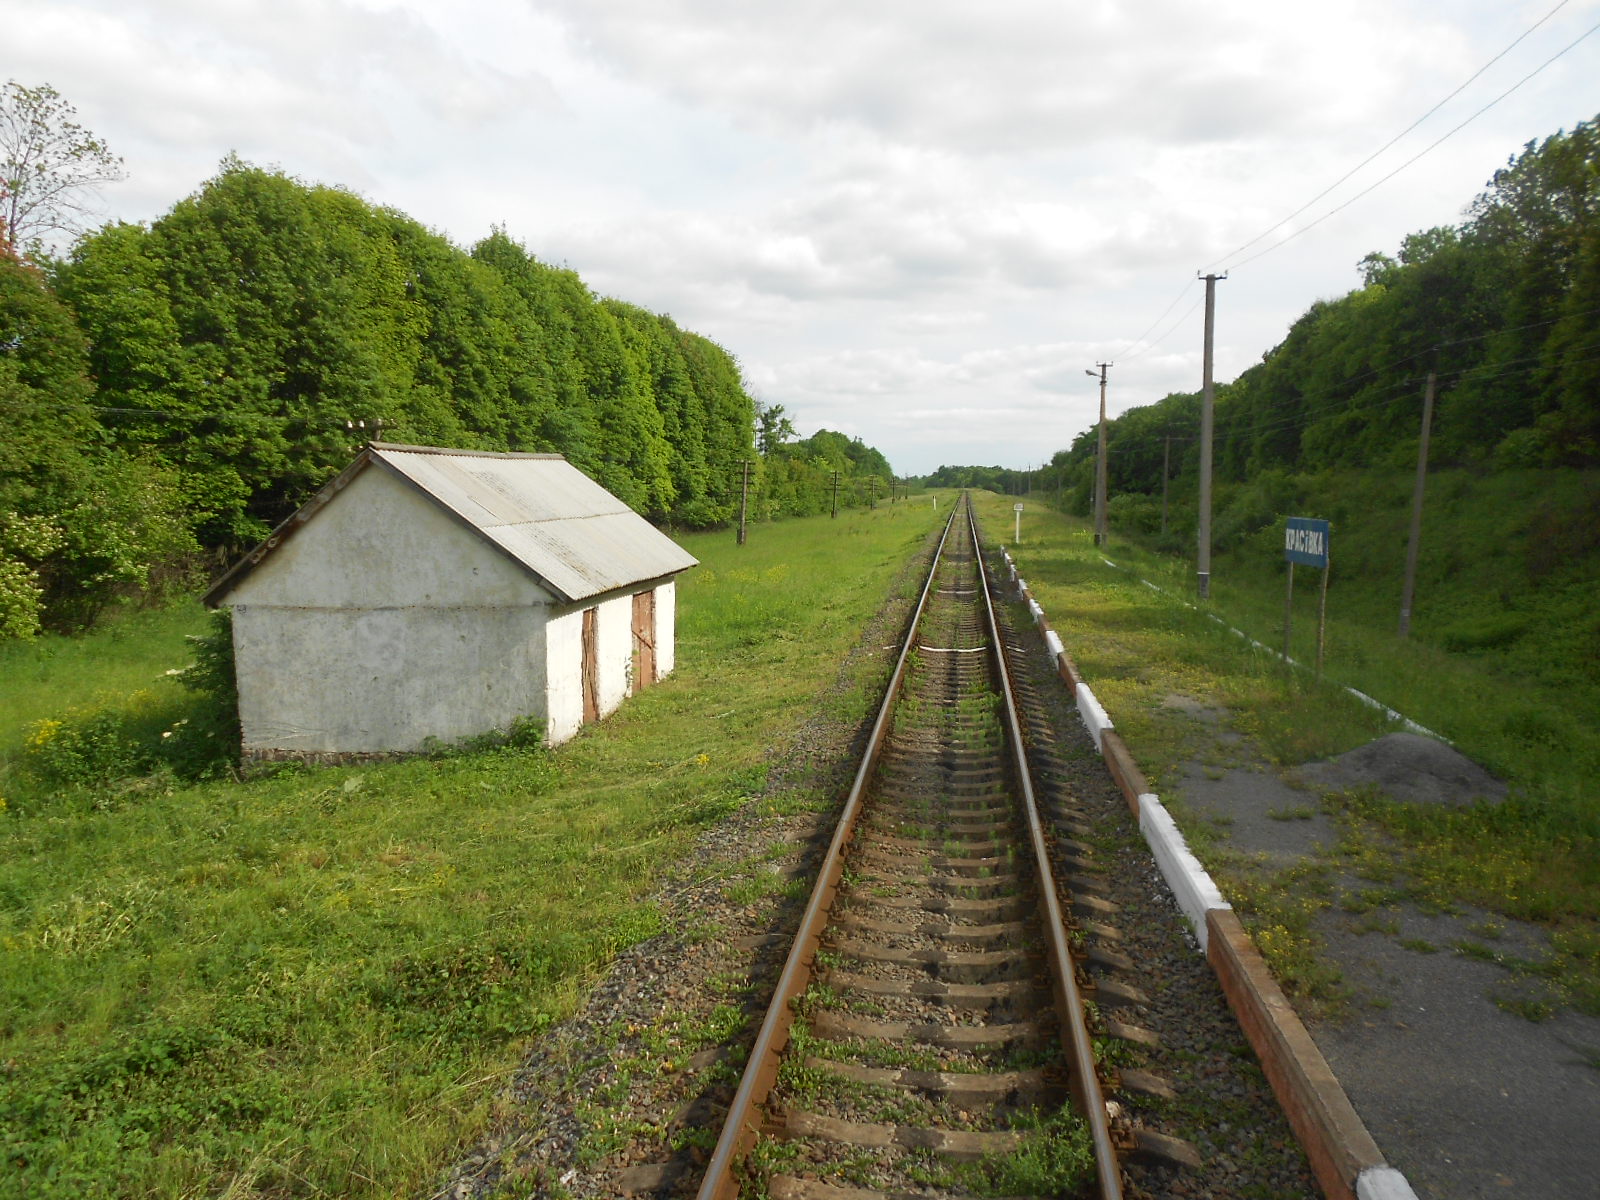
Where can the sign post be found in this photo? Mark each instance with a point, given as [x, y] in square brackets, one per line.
[1016, 510]
[1305, 540]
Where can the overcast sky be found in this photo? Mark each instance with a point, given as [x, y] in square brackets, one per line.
[915, 221]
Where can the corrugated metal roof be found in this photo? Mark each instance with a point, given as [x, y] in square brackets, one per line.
[578, 538]
[575, 537]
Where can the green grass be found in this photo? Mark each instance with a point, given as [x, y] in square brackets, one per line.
[317, 982]
[1535, 857]
[1504, 609]
[46, 676]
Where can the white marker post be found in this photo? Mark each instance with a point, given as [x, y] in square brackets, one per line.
[1016, 510]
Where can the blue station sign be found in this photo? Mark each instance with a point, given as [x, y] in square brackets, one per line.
[1305, 540]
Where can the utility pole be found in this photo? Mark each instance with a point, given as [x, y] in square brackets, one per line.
[1166, 465]
[1100, 462]
[836, 495]
[1414, 547]
[359, 427]
[744, 499]
[1207, 398]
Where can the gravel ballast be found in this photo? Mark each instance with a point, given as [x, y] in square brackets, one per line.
[625, 1097]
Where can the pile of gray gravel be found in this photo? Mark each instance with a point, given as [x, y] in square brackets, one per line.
[1408, 767]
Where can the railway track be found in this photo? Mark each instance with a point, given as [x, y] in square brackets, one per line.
[935, 1025]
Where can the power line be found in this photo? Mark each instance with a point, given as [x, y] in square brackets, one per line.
[1267, 231]
[1126, 356]
[1426, 150]
[1123, 354]
[1199, 300]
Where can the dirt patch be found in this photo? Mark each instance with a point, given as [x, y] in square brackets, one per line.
[1408, 767]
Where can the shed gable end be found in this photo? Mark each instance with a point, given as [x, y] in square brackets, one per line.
[381, 543]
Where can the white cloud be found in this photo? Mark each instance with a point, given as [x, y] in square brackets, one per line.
[1015, 74]
[916, 221]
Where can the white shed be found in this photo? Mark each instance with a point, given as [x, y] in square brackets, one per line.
[438, 594]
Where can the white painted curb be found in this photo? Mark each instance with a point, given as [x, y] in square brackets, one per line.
[1383, 1183]
[1052, 641]
[1191, 886]
[1093, 716]
[1038, 613]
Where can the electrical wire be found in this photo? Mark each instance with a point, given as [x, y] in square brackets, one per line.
[1127, 358]
[1268, 231]
[1123, 353]
[1426, 150]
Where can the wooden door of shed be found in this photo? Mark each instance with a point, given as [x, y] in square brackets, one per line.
[644, 639]
[591, 666]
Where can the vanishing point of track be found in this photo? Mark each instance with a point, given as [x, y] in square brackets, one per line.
[933, 1007]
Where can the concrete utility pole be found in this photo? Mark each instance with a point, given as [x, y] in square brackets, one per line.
[1414, 547]
[744, 500]
[1207, 396]
[1100, 462]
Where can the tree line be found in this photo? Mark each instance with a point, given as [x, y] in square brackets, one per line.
[1503, 308]
[173, 390]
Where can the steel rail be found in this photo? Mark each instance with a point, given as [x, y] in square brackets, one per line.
[739, 1129]
[1084, 1080]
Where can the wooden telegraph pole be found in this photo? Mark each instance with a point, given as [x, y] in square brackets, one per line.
[836, 495]
[744, 500]
[1100, 462]
[1207, 397]
[1414, 546]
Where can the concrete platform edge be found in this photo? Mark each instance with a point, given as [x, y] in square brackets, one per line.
[1344, 1158]
[1191, 885]
[1383, 1183]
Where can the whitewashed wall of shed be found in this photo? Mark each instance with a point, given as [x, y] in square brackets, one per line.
[379, 543]
[616, 653]
[563, 698]
[666, 627]
[341, 681]
[383, 623]
[564, 664]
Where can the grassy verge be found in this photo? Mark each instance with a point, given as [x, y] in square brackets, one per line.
[1536, 857]
[314, 983]
[1506, 635]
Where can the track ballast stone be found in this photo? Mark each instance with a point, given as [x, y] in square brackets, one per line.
[625, 1098]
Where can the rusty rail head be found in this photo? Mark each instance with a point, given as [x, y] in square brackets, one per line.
[1085, 1083]
[739, 1130]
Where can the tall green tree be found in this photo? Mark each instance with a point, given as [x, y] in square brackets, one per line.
[565, 419]
[81, 523]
